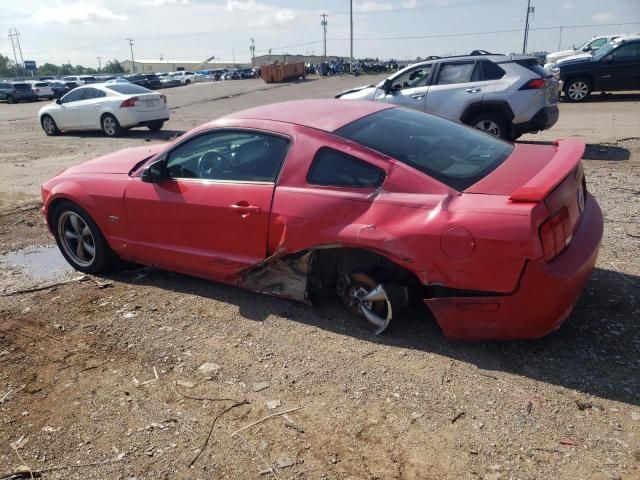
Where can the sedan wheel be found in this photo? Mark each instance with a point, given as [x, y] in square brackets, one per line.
[110, 126]
[577, 90]
[49, 126]
[80, 239]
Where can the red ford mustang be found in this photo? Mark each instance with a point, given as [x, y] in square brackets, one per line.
[380, 203]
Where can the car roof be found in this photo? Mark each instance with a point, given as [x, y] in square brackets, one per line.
[326, 114]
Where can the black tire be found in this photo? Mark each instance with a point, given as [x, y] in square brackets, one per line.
[75, 241]
[492, 124]
[155, 126]
[49, 126]
[10, 99]
[577, 90]
[187, 81]
[110, 126]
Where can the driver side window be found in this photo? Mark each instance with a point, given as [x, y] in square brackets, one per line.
[414, 78]
[74, 96]
[230, 156]
[596, 44]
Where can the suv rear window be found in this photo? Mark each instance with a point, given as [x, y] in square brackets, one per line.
[22, 86]
[533, 65]
[127, 88]
[453, 154]
[41, 84]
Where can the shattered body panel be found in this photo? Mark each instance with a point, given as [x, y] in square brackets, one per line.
[480, 241]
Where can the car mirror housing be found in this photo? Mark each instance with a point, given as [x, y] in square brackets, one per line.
[155, 172]
[387, 85]
[59, 101]
[587, 49]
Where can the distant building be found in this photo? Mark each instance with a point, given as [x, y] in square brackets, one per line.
[286, 58]
[158, 66]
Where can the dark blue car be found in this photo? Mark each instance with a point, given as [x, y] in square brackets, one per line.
[14, 92]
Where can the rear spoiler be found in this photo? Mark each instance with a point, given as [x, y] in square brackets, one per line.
[569, 152]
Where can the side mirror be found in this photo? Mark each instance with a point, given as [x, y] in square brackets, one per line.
[387, 85]
[587, 48]
[59, 101]
[155, 172]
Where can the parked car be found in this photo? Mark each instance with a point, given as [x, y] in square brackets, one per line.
[111, 108]
[117, 80]
[61, 88]
[614, 67]
[147, 80]
[377, 203]
[80, 79]
[586, 49]
[185, 77]
[41, 89]
[168, 81]
[47, 79]
[14, 92]
[502, 95]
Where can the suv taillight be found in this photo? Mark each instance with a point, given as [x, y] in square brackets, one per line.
[555, 234]
[129, 102]
[534, 84]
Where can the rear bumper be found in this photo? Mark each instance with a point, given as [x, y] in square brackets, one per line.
[543, 120]
[544, 298]
[132, 118]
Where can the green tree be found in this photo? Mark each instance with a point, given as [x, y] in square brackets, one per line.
[48, 69]
[7, 67]
[113, 66]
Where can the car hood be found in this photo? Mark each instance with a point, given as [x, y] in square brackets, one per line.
[578, 60]
[579, 56]
[122, 161]
[560, 54]
[359, 90]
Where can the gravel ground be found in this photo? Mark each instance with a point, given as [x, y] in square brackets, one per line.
[151, 375]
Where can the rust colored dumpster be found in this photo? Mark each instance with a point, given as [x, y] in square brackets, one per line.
[281, 72]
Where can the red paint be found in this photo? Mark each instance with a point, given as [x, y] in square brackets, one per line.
[486, 239]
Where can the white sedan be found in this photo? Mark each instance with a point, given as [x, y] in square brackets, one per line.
[111, 108]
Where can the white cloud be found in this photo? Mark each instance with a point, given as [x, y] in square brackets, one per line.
[409, 4]
[568, 6]
[159, 3]
[262, 15]
[77, 12]
[604, 17]
[372, 6]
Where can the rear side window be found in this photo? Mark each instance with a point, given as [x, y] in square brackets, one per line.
[337, 169]
[453, 154]
[91, 93]
[451, 73]
[491, 71]
[127, 88]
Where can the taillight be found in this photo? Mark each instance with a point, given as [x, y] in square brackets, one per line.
[555, 234]
[129, 102]
[534, 84]
[163, 98]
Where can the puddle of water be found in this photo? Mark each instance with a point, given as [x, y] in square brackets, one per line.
[40, 263]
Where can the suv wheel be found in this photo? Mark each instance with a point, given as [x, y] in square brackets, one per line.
[10, 99]
[492, 124]
[577, 90]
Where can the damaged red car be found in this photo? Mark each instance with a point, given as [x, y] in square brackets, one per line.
[378, 203]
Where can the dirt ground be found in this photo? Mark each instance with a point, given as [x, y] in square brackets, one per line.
[152, 375]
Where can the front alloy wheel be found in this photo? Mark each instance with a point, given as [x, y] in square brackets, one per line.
[577, 90]
[110, 126]
[49, 126]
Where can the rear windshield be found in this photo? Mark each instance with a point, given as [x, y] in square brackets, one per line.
[88, 79]
[127, 88]
[533, 65]
[453, 154]
[22, 86]
[41, 84]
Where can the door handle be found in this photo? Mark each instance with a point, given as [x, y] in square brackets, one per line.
[473, 90]
[244, 209]
[418, 96]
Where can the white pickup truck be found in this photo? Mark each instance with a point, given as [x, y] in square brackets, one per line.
[185, 77]
[585, 49]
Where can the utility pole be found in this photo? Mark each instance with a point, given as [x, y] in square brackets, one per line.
[233, 52]
[530, 10]
[324, 35]
[252, 49]
[133, 62]
[99, 63]
[15, 57]
[269, 56]
[351, 36]
[560, 39]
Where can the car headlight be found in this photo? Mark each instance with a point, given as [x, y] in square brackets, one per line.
[555, 71]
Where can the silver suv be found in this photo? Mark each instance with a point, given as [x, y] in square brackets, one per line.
[502, 95]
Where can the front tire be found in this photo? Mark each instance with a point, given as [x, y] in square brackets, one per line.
[49, 126]
[187, 82]
[110, 126]
[577, 90]
[10, 99]
[155, 126]
[80, 240]
[491, 124]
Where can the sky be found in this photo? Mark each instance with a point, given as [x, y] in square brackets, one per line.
[80, 31]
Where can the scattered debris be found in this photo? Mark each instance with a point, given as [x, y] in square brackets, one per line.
[272, 404]
[265, 419]
[209, 368]
[285, 462]
[583, 405]
[458, 417]
[46, 287]
[568, 441]
[257, 387]
[529, 407]
[185, 384]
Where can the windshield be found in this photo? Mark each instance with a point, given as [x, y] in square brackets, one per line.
[604, 51]
[456, 155]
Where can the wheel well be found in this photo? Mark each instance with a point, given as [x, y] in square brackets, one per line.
[497, 108]
[579, 77]
[52, 208]
[331, 264]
